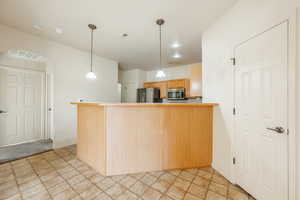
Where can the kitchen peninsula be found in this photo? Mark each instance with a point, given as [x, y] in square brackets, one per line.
[126, 138]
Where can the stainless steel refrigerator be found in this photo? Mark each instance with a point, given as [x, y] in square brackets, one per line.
[148, 95]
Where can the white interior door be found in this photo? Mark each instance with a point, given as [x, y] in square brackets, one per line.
[261, 103]
[21, 105]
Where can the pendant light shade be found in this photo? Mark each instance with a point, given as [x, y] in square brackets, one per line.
[160, 73]
[91, 75]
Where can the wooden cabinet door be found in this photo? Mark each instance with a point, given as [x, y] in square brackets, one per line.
[163, 89]
[162, 85]
[196, 81]
[148, 85]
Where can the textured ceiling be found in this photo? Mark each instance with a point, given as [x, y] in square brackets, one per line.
[185, 22]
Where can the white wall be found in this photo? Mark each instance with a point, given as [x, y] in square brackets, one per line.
[131, 80]
[298, 100]
[178, 72]
[244, 20]
[68, 67]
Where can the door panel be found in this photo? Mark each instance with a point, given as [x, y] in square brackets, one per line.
[261, 103]
[21, 96]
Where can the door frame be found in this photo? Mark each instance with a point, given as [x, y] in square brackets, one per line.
[291, 107]
[44, 95]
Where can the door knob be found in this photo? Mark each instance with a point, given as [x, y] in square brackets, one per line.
[2, 111]
[278, 130]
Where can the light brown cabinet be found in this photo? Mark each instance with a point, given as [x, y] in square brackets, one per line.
[171, 84]
[196, 81]
[162, 85]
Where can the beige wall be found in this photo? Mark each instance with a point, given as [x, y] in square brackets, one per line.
[68, 67]
[245, 19]
[298, 104]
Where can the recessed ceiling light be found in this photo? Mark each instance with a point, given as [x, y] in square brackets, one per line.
[176, 55]
[58, 30]
[37, 27]
[175, 45]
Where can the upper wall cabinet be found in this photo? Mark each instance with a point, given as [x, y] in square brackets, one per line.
[196, 81]
[162, 85]
[192, 85]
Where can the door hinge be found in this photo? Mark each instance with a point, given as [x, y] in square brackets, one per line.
[234, 111]
[288, 131]
[233, 160]
[233, 61]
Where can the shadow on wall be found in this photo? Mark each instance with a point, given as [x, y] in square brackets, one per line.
[221, 142]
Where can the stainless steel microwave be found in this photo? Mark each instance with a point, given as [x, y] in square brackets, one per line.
[176, 94]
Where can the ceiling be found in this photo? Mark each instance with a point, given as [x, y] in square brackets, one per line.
[185, 22]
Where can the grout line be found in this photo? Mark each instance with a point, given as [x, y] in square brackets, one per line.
[15, 179]
[40, 178]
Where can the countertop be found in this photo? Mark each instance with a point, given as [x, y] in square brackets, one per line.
[144, 104]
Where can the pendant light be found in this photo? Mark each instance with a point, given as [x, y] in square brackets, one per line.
[91, 75]
[160, 73]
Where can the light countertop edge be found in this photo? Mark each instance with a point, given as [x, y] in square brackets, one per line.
[144, 104]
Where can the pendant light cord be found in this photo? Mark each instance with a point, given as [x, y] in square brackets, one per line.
[92, 46]
[160, 54]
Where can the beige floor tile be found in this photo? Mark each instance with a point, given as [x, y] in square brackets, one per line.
[66, 177]
[90, 193]
[192, 197]
[15, 197]
[29, 184]
[139, 188]
[151, 194]
[82, 186]
[174, 172]
[97, 178]
[67, 194]
[9, 192]
[102, 196]
[118, 178]
[6, 185]
[165, 197]
[26, 178]
[53, 181]
[205, 174]
[49, 176]
[106, 183]
[157, 173]
[58, 188]
[237, 195]
[214, 196]
[170, 178]
[33, 191]
[192, 170]
[208, 169]
[197, 191]
[187, 176]
[76, 179]
[175, 193]
[220, 179]
[128, 181]
[116, 190]
[127, 196]
[138, 175]
[182, 184]
[218, 188]
[202, 182]
[148, 179]
[161, 185]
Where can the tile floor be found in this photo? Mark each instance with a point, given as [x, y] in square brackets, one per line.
[59, 175]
